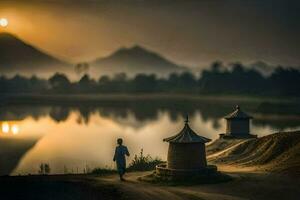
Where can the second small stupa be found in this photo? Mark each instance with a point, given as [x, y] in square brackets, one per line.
[237, 125]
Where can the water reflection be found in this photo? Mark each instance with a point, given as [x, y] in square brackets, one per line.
[278, 116]
[76, 136]
[9, 127]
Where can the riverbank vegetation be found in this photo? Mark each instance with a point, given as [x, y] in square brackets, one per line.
[143, 163]
[139, 163]
[219, 79]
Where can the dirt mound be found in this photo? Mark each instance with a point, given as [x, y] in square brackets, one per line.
[220, 145]
[276, 152]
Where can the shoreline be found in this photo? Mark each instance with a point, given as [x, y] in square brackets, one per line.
[93, 98]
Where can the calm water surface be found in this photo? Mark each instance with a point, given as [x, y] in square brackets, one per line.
[79, 137]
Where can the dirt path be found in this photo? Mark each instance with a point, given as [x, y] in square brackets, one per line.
[246, 185]
[140, 190]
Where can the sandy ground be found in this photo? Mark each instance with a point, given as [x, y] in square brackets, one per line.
[252, 181]
[218, 153]
[247, 184]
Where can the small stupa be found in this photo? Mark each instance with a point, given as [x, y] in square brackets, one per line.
[237, 125]
[186, 155]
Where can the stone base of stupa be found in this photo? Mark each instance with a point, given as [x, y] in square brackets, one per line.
[164, 175]
[163, 171]
[242, 136]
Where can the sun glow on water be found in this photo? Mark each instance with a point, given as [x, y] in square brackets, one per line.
[15, 129]
[10, 127]
[5, 127]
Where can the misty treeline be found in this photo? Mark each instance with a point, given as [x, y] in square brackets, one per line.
[216, 80]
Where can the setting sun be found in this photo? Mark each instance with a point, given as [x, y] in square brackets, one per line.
[3, 22]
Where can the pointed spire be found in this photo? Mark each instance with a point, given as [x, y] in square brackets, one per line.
[186, 135]
[238, 114]
[187, 119]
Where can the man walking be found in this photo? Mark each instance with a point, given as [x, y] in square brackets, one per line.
[120, 159]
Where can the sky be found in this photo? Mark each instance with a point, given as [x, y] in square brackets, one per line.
[192, 33]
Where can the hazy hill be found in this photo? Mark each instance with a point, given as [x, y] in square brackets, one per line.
[135, 60]
[19, 57]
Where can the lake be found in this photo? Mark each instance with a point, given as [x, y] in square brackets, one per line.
[75, 138]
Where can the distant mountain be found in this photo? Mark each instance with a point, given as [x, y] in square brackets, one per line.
[17, 56]
[135, 60]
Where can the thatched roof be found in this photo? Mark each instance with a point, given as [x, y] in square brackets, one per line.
[238, 114]
[187, 135]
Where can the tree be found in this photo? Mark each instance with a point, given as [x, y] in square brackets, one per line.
[237, 68]
[120, 77]
[37, 84]
[285, 81]
[60, 82]
[47, 168]
[86, 84]
[104, 80]
[144, 83]
[216, 66]
[187, 80]
[42, 169]
[104, 84]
